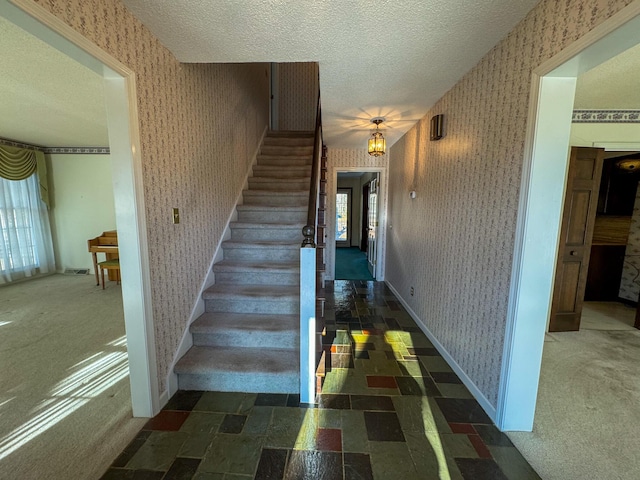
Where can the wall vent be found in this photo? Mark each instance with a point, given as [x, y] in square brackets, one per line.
[76, 271]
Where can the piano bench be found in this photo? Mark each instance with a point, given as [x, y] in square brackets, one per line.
[113, 264]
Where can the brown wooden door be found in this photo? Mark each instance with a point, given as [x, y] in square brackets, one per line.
[578, 218]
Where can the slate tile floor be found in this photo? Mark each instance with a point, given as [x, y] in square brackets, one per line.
[391, 408]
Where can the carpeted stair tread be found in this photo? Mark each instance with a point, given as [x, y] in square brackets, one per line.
[259, 245]
[208, 360]
[301, 178]
[276, 171]
[267, 208]
[290, 133]
[252, 267]
[287, 150]
[246, 330]
[266, 225]
[233, 369]
[212, 322]
[288, 193]
[285, 161]
[251, 292]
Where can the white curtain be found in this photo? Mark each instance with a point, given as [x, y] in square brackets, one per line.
[26, 248]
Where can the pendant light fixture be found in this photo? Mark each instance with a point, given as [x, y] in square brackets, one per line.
[377, 143]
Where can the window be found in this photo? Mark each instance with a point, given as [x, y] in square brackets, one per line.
[343, 201]
[25, 236]
[17, 228]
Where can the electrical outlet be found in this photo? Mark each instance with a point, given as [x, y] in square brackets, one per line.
[411, 291]
[176, 216]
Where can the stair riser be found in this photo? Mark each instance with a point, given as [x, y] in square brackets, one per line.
[255, 278]
[267, 234]
[275, 185]
[272, 216]
[280, 161]
[286, 150]
[276, 201]
[278, 172]
[240, 382]
[288, 307]
[262, 254]
[244, 339]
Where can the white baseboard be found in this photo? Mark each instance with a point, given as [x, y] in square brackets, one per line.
[475, 391]
[198, 308]
[164, 398]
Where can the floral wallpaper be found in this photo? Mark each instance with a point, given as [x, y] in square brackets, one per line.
[454, 243]
[630, 283]
[298, 95]
[199, 127]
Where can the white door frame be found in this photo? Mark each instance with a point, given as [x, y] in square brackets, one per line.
[332, 189]
[539, 215]
[124, 143]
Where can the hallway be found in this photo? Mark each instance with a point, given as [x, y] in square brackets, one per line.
[391, 408]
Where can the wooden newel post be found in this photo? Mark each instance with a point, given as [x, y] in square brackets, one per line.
[309, 233]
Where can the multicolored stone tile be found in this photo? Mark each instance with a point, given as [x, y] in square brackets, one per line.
[391, 407]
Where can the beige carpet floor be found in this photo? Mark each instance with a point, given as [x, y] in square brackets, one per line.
[588, 410]
[65, 403]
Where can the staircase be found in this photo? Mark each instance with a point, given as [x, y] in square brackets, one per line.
[248, 338]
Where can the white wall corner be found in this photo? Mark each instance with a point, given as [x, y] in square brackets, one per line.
[199, 307]
[473, 388]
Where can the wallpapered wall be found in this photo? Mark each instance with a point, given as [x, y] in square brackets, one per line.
[630, 284]
[454, 243]
[199, 126]
[353, 159]
[298, 95]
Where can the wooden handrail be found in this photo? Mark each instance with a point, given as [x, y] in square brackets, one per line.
[309, 230]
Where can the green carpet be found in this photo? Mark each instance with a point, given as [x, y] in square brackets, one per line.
[351, 264]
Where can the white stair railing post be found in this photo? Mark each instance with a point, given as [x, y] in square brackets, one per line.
[308, 321]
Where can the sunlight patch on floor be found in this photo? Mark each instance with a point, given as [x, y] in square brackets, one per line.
[91, 377]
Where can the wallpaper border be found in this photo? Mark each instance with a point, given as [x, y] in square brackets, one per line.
[57, 150]
[606, 116]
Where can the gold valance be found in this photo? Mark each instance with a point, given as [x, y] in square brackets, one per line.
[20, 163]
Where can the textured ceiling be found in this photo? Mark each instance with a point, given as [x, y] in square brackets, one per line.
[614, 84]
[47, 98]
[389, 58]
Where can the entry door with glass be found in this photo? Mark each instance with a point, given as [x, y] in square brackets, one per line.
[343, 217]
[373, 227]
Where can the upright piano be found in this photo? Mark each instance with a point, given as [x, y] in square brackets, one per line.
[106, 243]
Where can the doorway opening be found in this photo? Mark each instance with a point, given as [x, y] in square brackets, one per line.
[124, 143]
[611, 271]
[356, 226]
[542, 193]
